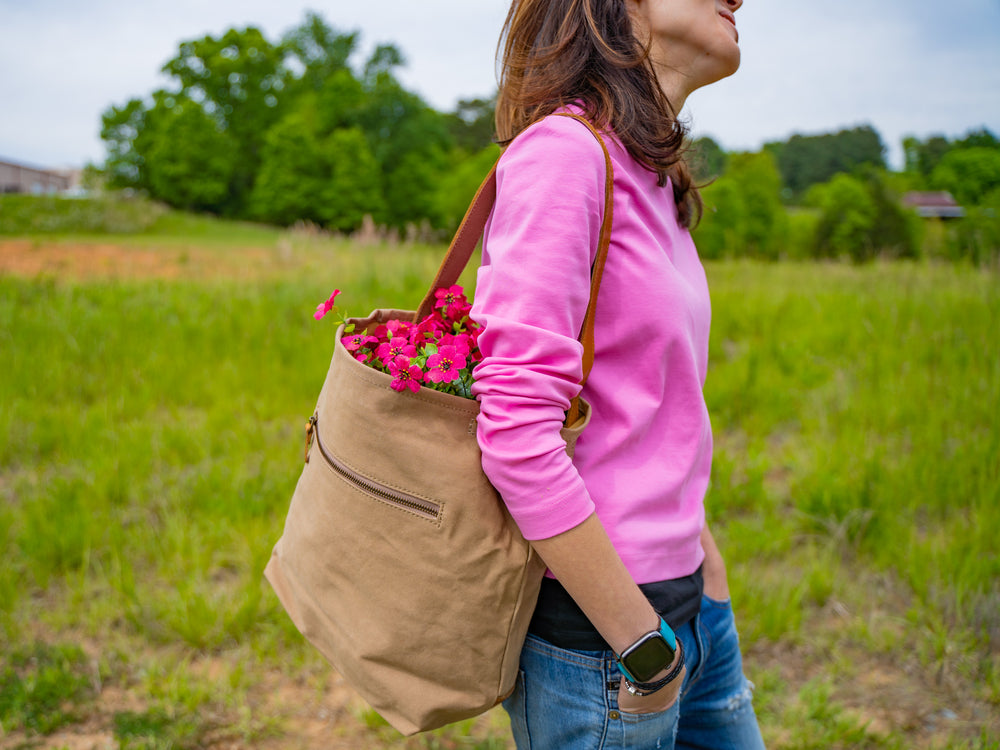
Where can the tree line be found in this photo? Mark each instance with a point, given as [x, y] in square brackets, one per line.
[832, 195]
[291, 130]
[286, 131]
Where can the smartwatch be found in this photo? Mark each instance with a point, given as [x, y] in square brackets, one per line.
[649, 655]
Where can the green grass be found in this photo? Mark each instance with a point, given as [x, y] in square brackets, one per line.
[151, 434]
[43, 687]
[52, 214]
[114, 215]
[862, 407]
[155, 730]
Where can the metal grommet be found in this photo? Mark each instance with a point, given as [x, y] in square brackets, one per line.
[614, 715]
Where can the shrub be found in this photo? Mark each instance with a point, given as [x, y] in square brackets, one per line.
[860, 219]
[969, 174]
[743, 211]
[977, 236]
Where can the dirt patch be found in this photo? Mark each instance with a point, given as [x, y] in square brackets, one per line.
[886, 691]
[315, 709]
[71, 740]
[89, 261]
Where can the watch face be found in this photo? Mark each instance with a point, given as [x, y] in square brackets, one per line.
[648, 657]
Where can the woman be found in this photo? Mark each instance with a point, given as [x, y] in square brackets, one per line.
[621, 526]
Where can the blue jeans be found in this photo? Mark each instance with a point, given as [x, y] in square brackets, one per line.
[568, 700]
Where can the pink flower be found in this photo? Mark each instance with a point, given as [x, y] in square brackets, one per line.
[428, 329]
[461, 341]
[473, 332]
[399, 328]
[394, 347]
[356, 341]
[405, 375]
[451, 302]
[444, 366]
[324, 307]
[441, 349]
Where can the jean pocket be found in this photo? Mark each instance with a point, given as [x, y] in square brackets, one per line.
[708, 601]
[647, 715]
[516, 707]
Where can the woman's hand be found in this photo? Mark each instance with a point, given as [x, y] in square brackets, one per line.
[661, 700]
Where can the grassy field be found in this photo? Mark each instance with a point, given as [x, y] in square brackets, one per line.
[152, 395]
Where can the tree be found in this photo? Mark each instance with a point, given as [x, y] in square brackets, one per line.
[457, 187]
[410, 187]
[270, 131]
[977, 236]
[921, 157]
[238, 78]
[861, 217]
[744, 215]
[320, 50]
[809, 160]
[707, 159]
[720, 232]
[981, 138]
[410, 141]
[354, 187]
[332, 181]
[764, 222]
[191, 159]
[472, 124]
[389, 110]
[121, 129]
[292, 174]
[847, 218]
[341, 101]
[896, 230]
[384, 59]
[968, 173]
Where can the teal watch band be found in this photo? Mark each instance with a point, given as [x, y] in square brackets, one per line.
[668, 634]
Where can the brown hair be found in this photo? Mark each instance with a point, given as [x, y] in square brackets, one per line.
[561, 52]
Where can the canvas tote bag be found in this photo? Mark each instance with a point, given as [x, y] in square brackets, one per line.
[398, 560]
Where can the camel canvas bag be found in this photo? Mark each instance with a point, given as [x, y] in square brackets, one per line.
[398, 560]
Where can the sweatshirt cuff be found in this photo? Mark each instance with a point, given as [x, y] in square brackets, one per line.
[542, 520]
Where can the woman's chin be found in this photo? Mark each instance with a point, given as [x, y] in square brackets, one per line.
[729, 63]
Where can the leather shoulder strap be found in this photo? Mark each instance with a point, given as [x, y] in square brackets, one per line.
[596, 271]
[474, 224]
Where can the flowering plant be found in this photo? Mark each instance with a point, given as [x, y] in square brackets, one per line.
[438, 352]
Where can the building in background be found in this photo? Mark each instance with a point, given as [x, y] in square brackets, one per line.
[940, 205]
[20, 178]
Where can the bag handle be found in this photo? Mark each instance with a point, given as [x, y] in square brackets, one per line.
[471, 230]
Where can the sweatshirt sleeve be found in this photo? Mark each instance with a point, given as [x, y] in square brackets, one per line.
[531, 297]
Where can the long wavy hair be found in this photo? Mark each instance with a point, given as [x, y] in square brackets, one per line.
[556, 53]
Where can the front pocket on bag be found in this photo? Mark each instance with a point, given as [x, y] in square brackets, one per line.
[417, 505]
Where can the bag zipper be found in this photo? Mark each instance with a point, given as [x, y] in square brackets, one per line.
[424, 508]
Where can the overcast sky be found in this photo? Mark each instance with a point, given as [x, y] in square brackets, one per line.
[918, 67]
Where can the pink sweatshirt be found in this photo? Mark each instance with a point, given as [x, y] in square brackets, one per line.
[643, 463]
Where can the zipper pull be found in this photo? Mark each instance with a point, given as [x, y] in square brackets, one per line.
[310, 433]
